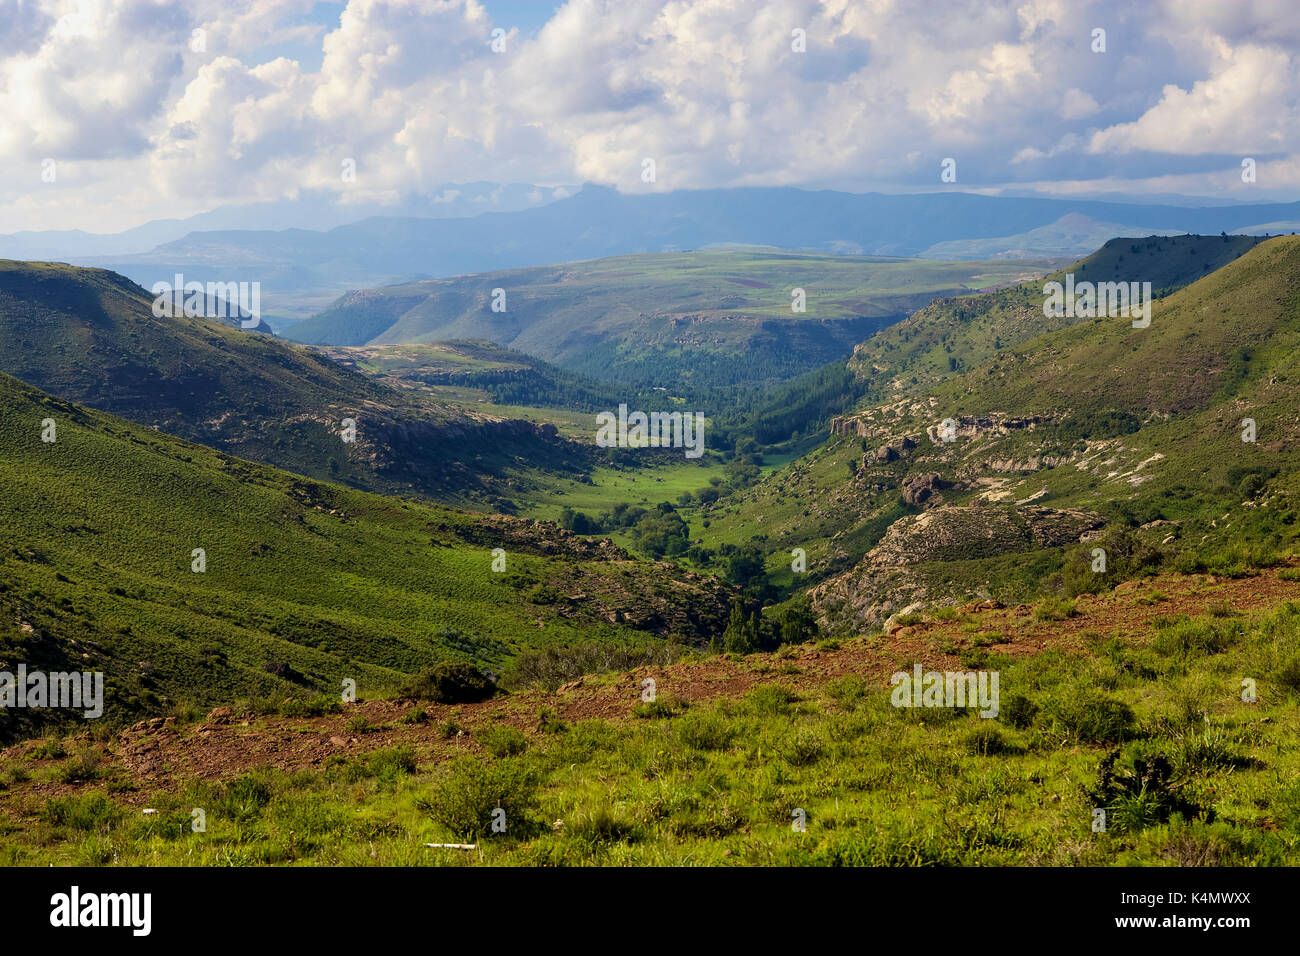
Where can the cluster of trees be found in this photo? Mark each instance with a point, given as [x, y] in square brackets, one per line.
[801, 407]
[749, 631]
[661, 532]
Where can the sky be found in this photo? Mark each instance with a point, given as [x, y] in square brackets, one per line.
[116, 112]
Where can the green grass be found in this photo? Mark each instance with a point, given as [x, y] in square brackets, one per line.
[1187, 772]
[305, 583]
[677, 320]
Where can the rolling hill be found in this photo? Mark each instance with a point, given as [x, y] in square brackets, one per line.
[90, 336]
[299, 267]
[303, 583]
[671, 320]
[1092, 430]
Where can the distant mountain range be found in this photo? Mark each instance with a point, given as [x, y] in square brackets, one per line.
[302, 270]
[310, 210]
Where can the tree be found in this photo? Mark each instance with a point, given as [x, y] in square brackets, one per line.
[742, 633]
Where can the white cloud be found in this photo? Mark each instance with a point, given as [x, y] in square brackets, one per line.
[710, 89]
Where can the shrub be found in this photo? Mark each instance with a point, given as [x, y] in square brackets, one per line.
[1288, 673]
[552, 666]
[1090, 717]
[243, 798]
[771, 700]
[315, 707]
[391, 763]
[360, 724]
[805, 748]
[1137, 788]
[451, 682]
[501, 740]
[705, 731]
[1184, 635]
[416, 716]
[51, 749]
[549, 722]
[1017, 710]
[658, 708]
[847, 691]
[987, 741]
[82, 766]
[464, 802]
[1054, 609]
[91, 811]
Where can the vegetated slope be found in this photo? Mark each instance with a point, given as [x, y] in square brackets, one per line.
[503, 375]
[676, 320]
[1132, 705]
[90, 336]
[1096, 426]
[953, 335]
[318, 581]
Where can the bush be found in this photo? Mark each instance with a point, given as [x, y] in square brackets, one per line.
[451, 682]
[705, 731]
[464, 802]
[771, 700]
[1288, 673]
[501, 740]
[1137, 789]
[987, 741]
[82, 766]
[391, 763]
[549, 722]
[1090, 717]
[1054, 609]
[91, 811]
[805, 748]
[1017, 710]
[1204, 636]
[549, 668]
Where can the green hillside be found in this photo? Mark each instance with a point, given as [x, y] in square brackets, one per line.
[1133, 429]
[305, 584]
[675, 320]
[89, 336]
[953, 335]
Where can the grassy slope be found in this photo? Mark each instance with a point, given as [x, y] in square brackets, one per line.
[970, 330]
[1103, 364]
[90, 337]
[99, 527]
[585, 781]
[672, 319]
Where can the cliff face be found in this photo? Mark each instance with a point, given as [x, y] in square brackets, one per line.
[887, 579]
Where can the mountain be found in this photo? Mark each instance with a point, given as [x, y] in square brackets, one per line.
[303, 270]
[304, 583]
[674, 320]
[503, 376]
[91, 337]
[1062, 429]
[309, 210]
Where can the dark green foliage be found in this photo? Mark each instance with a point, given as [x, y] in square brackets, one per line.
[451, 682]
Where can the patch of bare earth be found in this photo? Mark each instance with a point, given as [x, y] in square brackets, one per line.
[160, 754]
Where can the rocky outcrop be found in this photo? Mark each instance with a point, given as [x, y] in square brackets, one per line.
[959, 534]
[892, 575]
[923, 491]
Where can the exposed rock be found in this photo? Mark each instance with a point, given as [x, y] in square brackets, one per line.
[923, 490]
